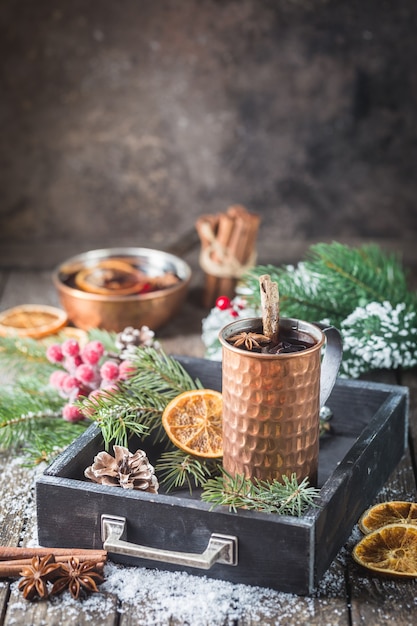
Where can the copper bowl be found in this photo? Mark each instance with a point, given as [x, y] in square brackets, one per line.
[115, 312]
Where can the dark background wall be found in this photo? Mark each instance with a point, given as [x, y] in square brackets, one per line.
[122, 121]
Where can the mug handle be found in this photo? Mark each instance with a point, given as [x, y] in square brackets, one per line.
[331, 360]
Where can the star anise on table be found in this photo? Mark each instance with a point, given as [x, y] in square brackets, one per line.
[249, 340]
[76, 576]
[35, 576]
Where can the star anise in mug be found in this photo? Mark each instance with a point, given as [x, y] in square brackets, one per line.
[33, 583]
[249, 340]
[77, 576]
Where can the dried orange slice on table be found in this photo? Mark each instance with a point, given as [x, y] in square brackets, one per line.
[193, 422]
[394, 512]
[32, 320]
[390, 550]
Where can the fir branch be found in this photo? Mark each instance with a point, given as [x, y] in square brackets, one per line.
[156, 371]
[106, 337]
[43, 447]
[177, 468]
[333, 280]
[22, 356]
[22, 407]
[120, 413]
[367, 273]
[136, 406]
[286, 498]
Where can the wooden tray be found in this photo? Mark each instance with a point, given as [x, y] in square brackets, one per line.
[285, 553]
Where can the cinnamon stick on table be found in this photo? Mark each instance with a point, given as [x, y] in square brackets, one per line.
[224, 234]
[8, 553]
[13, 560]
[13, 569]
[228, 249]
[206, 227]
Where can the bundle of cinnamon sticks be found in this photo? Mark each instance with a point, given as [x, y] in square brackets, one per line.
[12, 559]
[228, 250]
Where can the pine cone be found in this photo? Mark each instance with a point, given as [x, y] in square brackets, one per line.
[125, 469]
[130, 338]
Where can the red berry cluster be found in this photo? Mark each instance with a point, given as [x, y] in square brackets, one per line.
[223, 303]
[85, 372]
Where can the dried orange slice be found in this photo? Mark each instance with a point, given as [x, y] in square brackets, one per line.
[394, 512]
[193, 422]
[110, 277]
[32, 320]
[390, 550]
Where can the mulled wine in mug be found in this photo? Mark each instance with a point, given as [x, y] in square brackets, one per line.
[272, 395]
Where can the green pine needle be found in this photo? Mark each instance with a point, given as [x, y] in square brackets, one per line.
[106, 337]
[50, 438]
[158, 372]
[176, 469]
[286, 498]
[333, 280]
[123, 412]
[21, 356]
[136, 406]
[23, 407]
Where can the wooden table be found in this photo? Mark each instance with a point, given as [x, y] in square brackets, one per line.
[346, 595]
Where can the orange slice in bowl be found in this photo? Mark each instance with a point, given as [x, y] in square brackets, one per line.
[390, 550]
[110, 277]
[193, 422]
[32, 320]
[394, 512]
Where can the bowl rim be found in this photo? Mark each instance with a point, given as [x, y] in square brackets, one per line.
[102, 253]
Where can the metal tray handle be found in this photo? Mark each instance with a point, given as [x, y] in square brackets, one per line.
[220, 548]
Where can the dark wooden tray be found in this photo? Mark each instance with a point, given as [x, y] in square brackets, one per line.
[285, 553]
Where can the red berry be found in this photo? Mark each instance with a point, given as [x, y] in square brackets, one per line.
[92, 352]
[86, 374]
[56, 379]
[69, 384]
[234, 313]
[126, 370]
[72, 413]
[223, 303]
[72, 362]
[70, 347]
[54, 353]
[109, 371]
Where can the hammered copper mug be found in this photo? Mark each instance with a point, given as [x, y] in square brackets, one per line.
[271, 402]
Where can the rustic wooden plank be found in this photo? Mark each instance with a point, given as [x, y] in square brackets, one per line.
[328, 605]
[96, 609]
[3, 280]
[13, 501]
[4, 596]
[181, 336]
[28, 287]
[375, 600]
[409, 379]
[18, 527]
[293, 612]
[49, 253]
[178, 599]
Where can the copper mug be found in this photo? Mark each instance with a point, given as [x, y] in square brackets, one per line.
[271, 402]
